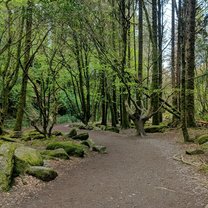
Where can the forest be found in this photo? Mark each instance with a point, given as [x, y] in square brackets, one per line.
[108, 65]
[111, 62]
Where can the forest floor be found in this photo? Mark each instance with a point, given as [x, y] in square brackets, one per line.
[135, 173]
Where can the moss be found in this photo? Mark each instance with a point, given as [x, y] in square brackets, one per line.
[155, 129]
[26, 156]
[72, 133]
[204, 168]
[6, 165]
[194, 152]
[202, 139]
[57, 153]
[32, 135]
[42, 173]
[88, 143]
[99, 148]
[57, 133]
[82, 137]
[71, 148]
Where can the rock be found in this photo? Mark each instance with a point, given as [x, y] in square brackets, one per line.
[26, 156]
[89, 143]
[72, 133]
[16, 134]
[155, 129]
[194, 152]
[202, 139]
[6, 165]
[57, 133]
[57, 153]
[83, 136]
[99, 148]
[86, 127]
[42, 173]
[71, 148]
[32, 135]
[113, 129]
[7, 139]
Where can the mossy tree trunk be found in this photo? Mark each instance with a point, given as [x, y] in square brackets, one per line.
[27, 65]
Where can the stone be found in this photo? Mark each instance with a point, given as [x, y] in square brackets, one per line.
[71, 148]
[57, 153]
[42, 173]
[32, 135]
[194, 152]
[72, 133]
[57, 133]
[89, 143]
[99, 149]
[6, 165]
[25, 157]
[83, 136]
[155, 129]
[201, 139]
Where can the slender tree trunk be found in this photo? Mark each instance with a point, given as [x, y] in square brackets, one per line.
[155, 72]
[190, 61]
[27, 64]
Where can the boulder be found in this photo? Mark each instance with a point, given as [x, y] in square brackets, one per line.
[202, 139]
[89, 143]
[72, 133]
[57, 153]
[42, 173]
[71, 148]
[32, 135]
[6, 165]
[194, 152]
[57, 133]
[26, 156]
[86, 127]
[155, 129]
[81, 137]
[99, 149]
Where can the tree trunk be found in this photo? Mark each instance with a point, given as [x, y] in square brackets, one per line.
[27, 64]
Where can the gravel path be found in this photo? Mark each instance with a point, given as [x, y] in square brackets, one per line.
[136, 173]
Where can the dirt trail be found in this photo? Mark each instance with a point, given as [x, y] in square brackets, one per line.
[136, 173]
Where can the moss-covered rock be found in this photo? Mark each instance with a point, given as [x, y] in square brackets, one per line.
[57, 133]
[194, 152]
[112, 129]
[202, 139]
[71, 148]
[7, 139]
[26, 156]
[99, 148]
[57, 153]
[86, 127]
[72, 133]
[6, 165]
[32, 135]
[89, 143]
[42, 173]
[155, 129]
[81, 137]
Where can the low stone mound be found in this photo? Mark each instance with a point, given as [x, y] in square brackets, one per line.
[201, 139]
[72, 133]
[42, 173]
[71, 148]
[155, 129]
[32, 135]
[81, 137]
[57, 153]
[25, 157]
